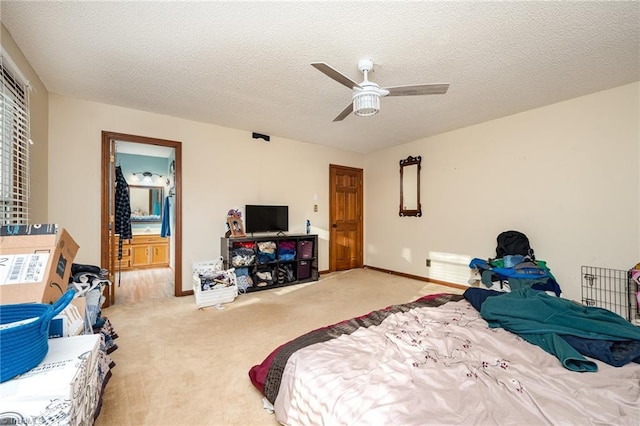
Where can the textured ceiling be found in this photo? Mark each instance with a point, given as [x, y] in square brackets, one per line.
[246, 65]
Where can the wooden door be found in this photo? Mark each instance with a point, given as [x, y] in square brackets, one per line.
[140, 255]
[109, 240]
[125, 262]
[346, 218]
[160, 254]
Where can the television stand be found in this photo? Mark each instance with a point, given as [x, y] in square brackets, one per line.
[271, 261]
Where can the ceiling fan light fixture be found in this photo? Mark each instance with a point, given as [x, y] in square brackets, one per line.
[365, 96]
[366, 103]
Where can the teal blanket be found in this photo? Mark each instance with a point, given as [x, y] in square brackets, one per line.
[543, 320]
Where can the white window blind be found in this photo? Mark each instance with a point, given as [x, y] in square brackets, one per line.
[14, 145]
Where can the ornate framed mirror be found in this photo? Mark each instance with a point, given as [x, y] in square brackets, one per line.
[410, 186]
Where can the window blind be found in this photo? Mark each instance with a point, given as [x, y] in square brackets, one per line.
[14, 145]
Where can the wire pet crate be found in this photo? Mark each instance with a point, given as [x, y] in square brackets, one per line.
[611, 289]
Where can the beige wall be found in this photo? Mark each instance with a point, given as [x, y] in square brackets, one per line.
[222, 168]
[39, 106]
[567, 175]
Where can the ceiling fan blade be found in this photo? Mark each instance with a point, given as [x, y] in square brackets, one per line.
[336, 75]
[348, 110]
[417, 89]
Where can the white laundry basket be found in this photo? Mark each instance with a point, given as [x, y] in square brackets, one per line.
[223, 288]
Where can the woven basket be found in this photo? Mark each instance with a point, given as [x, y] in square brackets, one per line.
[24, 333]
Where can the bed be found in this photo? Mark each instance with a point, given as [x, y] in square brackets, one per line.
[436, 361]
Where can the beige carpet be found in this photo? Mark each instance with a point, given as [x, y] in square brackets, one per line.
[178, 365]
[143, 284]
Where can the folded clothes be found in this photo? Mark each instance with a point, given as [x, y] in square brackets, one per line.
[267, 247]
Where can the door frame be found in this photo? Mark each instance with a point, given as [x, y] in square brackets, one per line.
[332, 215]
[108, 185]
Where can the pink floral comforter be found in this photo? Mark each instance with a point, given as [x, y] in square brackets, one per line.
[436, 361]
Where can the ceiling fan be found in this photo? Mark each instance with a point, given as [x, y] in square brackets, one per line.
[366, 95]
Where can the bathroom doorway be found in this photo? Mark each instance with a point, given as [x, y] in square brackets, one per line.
[156, 256]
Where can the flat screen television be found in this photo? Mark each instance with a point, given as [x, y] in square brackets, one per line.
[261, 218]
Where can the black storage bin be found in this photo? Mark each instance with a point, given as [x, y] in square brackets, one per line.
[305, 249]
[304, 270]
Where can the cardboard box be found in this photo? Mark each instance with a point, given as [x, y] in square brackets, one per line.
[35, 263]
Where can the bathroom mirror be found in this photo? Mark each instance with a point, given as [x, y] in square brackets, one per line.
[410, 186]
[146, 203]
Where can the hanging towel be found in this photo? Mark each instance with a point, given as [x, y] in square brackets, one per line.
[165, 231]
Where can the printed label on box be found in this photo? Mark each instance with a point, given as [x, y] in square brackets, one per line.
[23, 268]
